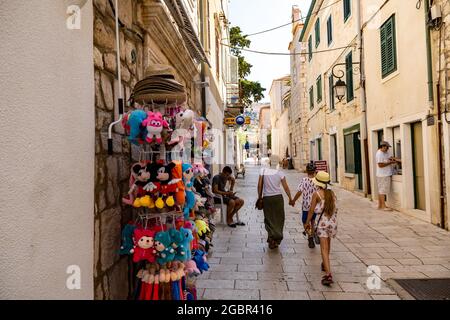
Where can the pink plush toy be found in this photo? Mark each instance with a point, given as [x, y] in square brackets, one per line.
[144, 245]
[155, 125]
[191, 268]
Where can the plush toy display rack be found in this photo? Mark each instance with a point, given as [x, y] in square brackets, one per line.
[170, 238]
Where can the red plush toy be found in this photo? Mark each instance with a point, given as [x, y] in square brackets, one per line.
[144, 245]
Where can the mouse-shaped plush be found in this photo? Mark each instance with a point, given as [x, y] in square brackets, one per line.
[188, 179]
[155, 125]
[184, 247]
[127, 240]
[139, 178]
[132, 123]
[163, 246]
[144, 245]
[200, 260]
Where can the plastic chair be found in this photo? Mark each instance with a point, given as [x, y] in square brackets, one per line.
[223, 210]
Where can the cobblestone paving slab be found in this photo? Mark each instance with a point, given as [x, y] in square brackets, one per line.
[243, 268]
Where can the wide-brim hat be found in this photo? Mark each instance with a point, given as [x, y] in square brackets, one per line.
[322, 179]
[385, 144]
[160, 70]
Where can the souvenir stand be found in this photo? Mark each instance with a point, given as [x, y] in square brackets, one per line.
[171, 235]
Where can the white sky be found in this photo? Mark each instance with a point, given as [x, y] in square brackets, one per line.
[257, 15]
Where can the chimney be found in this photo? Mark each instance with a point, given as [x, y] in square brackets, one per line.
[296, 16]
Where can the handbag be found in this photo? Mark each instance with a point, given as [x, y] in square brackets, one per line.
[316, 236]
[260, 203]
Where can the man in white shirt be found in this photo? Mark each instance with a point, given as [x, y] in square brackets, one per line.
[384, 162]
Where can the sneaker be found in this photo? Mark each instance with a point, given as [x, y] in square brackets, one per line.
[327, 280]
[232, 225]
[311, 243]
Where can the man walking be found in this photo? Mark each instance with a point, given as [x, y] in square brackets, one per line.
[384, 162]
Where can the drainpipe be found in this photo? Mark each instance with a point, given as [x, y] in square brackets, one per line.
[363, 100]
[438, 111]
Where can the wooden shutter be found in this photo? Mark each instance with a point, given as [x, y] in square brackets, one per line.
[349, 76]
[310, 47]
[388, 47]
[330, 30]
[311, 98]
[347, 9]
[319, 88]
[317, 32]
[331, 91]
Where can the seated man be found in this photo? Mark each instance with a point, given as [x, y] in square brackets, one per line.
[229, 197]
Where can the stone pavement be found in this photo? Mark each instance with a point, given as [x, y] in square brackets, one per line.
[242, 266]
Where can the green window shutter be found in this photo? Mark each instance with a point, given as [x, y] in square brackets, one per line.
[349, 76]
[311, 98]
[330, 30]
[347, 9]
[319, 88]
[331, 91]
[317, 27]
[310, 48]
[388, 47]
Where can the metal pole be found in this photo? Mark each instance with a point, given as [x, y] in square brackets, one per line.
[119, 75]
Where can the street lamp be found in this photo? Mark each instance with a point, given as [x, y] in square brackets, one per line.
[340, 88]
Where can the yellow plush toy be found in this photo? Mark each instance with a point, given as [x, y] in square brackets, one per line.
[202, 227]
[170, 201]
[159, 203]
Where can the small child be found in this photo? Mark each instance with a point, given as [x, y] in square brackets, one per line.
[324, 204]
[307, 188]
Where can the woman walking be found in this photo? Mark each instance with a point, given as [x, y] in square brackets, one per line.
[324, 205]
[269, 188]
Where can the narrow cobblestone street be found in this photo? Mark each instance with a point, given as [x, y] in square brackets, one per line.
[242, 266]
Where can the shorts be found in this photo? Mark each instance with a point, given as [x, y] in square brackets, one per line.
[305, 216]
[226, 200]
[384, 185]
[327, 227]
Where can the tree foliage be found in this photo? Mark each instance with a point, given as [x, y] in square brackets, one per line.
[251, 91]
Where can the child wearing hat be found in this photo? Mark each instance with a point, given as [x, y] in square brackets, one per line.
[307, 188]
[324, 205]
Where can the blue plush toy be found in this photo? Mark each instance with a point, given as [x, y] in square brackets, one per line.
[137, 131]
[164, 249]
[127, 239]
[183, 247]
[188, 180]
[200, 260]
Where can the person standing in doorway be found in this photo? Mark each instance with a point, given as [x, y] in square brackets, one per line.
[269, 155]
[306, 189]
[269, 185]
[385, 163]
[323, 204]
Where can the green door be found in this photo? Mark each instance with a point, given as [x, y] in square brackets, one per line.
[418, 166]
[358, 159]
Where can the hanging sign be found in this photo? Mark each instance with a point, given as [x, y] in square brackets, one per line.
[230, 121]
[247, 120]
[240, 120]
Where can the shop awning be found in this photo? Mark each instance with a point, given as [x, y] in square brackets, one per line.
[181, 16]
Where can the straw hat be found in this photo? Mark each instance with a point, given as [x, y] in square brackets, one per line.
[160, 70]
[322, 179]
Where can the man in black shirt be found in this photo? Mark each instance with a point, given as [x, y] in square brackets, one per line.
[229, 197]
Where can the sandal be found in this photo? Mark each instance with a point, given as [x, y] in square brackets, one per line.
[323, 267]
[273, 244]
[240, 223]
[327, 280]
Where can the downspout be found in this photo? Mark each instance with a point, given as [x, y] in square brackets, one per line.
[363, 100]
[438, 111]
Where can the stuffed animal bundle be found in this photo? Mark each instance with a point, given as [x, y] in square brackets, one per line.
[188, 179]
[183, 247]
[163, 245]
[132, 123]
[202, 227]
[191, 268]
[155, 124]
[184, 121]
[144, 241]
[200, 260]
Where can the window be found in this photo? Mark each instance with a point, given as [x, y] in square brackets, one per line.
[352, 146]
[331, 91]
[347, 9]
[330, 30]
[319, 88]
[317, 28]
[311, 151]
[311, 98]
[310, 48]
[349, 73]
[388, 47]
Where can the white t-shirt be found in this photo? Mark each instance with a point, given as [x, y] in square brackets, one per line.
[272, 182]
[383, 157]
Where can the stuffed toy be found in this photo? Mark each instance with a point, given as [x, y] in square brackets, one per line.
[191, 268]
[199, 202]
[184, 121]
[199, 170]
[202, 227]
[200, 260]
[163, 245]
[139, 178]
[146, 202]
[144, 245]
[188, 179]
[177, 174]
[127, 240]
[184, 246]
[155, 125]
[132, 122]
